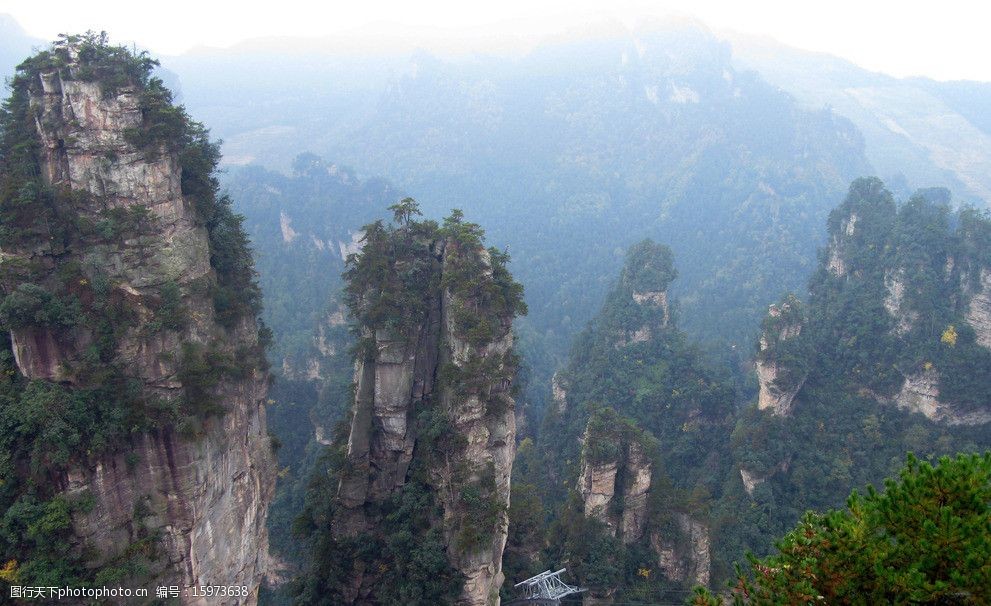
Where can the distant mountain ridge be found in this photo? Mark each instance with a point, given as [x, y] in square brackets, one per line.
[15, 45]
[918, 132]
[569, 155]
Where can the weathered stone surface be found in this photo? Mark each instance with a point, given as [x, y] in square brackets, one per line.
[629, 478]
[392, 384]
[597, 486]
[772, 394]
[638, 474]
[205, 496]
[979, 310]
[920, 393]
[559, 393]
[836, 264]
[654, 299]
[894, 284]
[41, 354]
[288, 233]
[207, 499]
[750, 480]
[491, 443]
[688, 559]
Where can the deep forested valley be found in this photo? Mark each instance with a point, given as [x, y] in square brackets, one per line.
[631, 305]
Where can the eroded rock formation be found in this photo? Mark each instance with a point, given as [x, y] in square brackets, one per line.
[432, 366]
[979, 309]
[615, 484]
[779, 384]
[202, 494]
[599, 483]
[688, 559]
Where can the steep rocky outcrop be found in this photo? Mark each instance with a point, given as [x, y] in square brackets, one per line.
[752, 479]
[435, 365]
[894, 302]
[688, 559]
[979, 309]
[614, 485]
[642, 290]
[559, 393]
[624, 478]
[836, 263]
[924, 276]
[920, 393]
[657, 299]
[637, 427]
[126, 245]
[779, 381]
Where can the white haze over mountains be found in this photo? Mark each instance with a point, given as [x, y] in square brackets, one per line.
[942, 41]
[919, 129]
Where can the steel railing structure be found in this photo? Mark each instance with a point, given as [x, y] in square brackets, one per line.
[546, 586]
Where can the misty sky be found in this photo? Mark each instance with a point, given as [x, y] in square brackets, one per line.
[943, 40]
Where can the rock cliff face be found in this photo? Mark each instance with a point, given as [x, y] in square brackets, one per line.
[894, 303]
[688, 559]
[655, 299]
[979, 309]
[920, 393]
[655, 313]
[628, 478]
[751, 479]
[559, 393]
[779, 384]
[836, 264]
[432, 366]
[204, 492]
[614, 485]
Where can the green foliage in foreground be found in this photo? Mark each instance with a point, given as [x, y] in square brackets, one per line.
[925, 540]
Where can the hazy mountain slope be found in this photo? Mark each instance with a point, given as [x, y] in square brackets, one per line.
[15, 45]
[918, 132]
[569, 155]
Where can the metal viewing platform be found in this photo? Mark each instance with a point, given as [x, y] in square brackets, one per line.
[544, 589]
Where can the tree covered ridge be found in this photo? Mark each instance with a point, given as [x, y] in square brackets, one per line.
[892, 296]
[388, 282]
[49, 427]
[889, 303]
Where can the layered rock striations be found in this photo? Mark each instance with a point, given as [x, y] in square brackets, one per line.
[433, 406]
[124, 233]
[615, 474]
